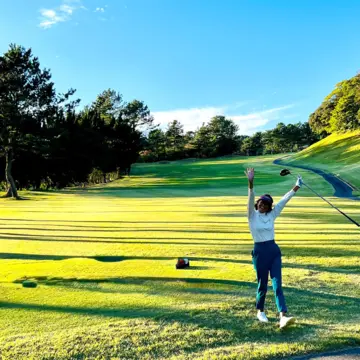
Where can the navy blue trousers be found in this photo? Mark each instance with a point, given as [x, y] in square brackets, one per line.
[266, 258]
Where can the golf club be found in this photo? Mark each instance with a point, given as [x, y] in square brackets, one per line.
[285, 172]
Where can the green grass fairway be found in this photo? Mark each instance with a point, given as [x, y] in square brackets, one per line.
[338, 154]
[104, 261]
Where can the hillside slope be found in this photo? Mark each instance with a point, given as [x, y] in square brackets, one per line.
[338, 154]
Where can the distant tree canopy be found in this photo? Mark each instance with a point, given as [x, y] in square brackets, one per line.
[340, 110]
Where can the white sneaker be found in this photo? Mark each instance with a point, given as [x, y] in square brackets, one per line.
[285, 321]
[262, 317]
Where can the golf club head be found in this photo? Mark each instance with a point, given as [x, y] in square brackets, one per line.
[285, 172]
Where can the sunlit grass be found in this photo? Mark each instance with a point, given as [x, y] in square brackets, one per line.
[104, 260]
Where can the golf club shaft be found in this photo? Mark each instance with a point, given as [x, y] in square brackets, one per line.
[333, 206]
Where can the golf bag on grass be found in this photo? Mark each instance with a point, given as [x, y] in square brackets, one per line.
[182, 263]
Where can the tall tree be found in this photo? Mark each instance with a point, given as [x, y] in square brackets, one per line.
[137, 115]
[270, 142]
[134, 118]
[224, 135]
[175, 139]
[239, 142]
[203, 142]
[253, 145]
[27, 101]
[108, 104]
[157, 144]
[73, 148]
[117, 131]
[307, 136]
[125, 146]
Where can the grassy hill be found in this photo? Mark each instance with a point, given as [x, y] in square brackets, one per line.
[338, 154]
[104, 260]
[216, 177]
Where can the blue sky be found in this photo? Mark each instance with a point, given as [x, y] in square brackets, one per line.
[258, 62]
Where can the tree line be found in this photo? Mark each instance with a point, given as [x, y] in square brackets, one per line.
[46, 142]
[220, 137]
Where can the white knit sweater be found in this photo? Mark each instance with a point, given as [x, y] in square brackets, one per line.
[262, 225]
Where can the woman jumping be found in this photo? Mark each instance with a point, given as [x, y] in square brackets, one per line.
[266, 255]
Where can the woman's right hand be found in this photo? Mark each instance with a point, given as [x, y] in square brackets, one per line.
[249, 172]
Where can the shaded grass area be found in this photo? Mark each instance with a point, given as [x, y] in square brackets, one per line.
[104, 261]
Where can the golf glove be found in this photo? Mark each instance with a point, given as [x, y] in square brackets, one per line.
[299, 181]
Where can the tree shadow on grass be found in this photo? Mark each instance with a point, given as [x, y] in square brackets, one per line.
[307, 251]
[131, 230]
[232, 324]
[300, 217]
[69, 223]
[344, 269]
[233, 318]
[235, 313]
[107, 240]
[318, 251]
[61, 211]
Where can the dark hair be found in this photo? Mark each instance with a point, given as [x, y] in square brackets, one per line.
[266, 198]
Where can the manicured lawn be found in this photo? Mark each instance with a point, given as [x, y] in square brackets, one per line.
[104, 260]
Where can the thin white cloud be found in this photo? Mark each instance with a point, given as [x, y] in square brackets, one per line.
[67, 9]
[250, 123]
[51, 17]
[63, 13]
[100, 9]
[51, 14]
[193, 118]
